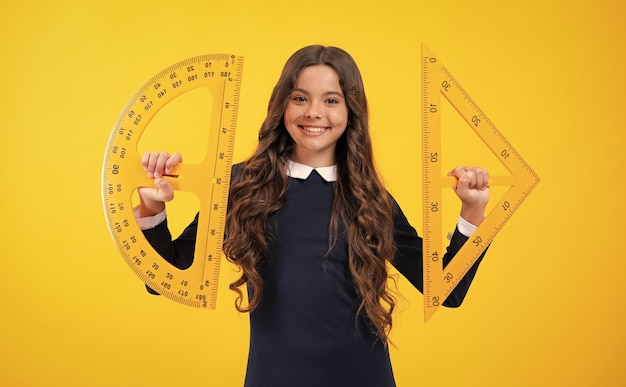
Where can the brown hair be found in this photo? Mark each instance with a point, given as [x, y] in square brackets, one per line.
[360, 200]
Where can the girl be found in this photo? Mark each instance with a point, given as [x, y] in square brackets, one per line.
[312, 228]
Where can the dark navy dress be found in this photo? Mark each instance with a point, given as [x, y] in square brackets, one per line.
[305, 332]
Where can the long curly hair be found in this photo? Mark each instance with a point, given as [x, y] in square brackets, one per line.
[360, 200]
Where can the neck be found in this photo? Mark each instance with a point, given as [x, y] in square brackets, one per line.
[314, 160]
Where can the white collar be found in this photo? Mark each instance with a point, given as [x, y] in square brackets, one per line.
[301, 171]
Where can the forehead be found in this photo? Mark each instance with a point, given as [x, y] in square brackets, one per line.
[318, 76]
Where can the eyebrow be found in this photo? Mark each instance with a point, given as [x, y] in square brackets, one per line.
[332, 92]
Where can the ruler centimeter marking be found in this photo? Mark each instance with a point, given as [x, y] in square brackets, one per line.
[439, 282]
[122, 174]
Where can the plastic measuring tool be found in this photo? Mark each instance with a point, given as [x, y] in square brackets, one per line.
[122, 174]
[439, 282]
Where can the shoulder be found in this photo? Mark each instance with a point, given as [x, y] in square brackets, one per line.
[395, 207]
[235, 169]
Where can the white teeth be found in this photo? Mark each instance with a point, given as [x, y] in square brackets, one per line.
[313, 130]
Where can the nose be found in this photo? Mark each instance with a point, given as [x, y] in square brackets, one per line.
[312, 111]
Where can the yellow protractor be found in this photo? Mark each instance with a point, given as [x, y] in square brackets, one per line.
[122, 174]
[439, 282]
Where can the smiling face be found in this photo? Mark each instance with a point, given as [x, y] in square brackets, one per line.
[316, 116]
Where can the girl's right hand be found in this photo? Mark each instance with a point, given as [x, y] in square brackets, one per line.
[157, 164]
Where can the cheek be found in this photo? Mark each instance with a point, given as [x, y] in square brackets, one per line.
[341, 117]
[289, 116]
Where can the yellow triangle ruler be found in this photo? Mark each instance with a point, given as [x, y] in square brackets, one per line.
[439, 282]
[122, 174]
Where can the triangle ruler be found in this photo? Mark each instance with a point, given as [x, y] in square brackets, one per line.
[439, 282]
[122, 174]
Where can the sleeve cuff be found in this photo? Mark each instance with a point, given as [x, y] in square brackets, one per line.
[149, 221]
[465, 227]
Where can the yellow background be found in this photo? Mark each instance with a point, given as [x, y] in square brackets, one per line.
[546, 306]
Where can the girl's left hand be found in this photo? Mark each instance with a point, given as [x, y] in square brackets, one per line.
[473, 190]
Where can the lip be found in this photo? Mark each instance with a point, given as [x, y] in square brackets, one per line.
[313, 130]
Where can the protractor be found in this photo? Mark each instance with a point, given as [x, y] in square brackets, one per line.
[122, 175]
